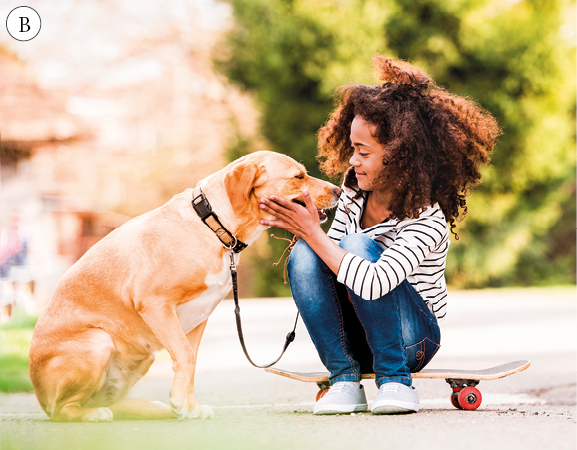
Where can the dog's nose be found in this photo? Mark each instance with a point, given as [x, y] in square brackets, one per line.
[338, 191]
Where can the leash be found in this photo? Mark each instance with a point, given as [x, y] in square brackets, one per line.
[289, 337]
[229, 241]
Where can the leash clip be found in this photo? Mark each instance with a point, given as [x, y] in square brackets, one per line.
[232, 261]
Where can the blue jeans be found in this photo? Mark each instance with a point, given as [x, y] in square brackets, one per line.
[392, 336]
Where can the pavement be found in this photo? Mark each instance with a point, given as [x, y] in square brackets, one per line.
[534, 409]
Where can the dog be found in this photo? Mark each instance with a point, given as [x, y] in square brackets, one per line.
[151, 284]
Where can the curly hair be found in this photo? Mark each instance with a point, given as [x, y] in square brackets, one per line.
[435, 141]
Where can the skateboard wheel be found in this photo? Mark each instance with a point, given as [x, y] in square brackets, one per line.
[470, 398]
[321, 394]
[455, 399]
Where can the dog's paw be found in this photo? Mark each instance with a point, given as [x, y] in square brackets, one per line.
[200, 412]
[179, 410]
[99, 415]
[186, 411]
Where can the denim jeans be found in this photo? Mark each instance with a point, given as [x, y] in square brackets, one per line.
[392, 336]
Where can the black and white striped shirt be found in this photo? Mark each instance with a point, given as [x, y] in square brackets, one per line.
[415, 249]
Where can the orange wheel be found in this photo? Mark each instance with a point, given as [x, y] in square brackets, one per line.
[321, 394]
[470, 398]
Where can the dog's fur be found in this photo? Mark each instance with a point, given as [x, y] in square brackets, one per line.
[148, 285]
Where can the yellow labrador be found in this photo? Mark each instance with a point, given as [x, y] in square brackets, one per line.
[148, 285]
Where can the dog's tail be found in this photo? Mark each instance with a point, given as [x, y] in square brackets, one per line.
[138, 409]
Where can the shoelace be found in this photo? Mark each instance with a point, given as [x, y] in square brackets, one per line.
[336, 388]
[388, 387]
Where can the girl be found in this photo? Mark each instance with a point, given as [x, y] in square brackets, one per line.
[372, 290]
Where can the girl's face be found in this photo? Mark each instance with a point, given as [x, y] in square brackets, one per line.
[368, 156]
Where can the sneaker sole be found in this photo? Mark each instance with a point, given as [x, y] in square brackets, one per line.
[340, 409]
[395, 407]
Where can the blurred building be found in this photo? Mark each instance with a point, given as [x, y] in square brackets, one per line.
[45, 226]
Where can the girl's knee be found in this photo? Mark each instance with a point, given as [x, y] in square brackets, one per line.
[302, 258]
[361, 245]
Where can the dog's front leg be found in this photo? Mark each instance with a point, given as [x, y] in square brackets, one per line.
[163, 321]
[196, 410]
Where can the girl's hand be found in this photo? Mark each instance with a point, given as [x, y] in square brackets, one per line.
[301, 221]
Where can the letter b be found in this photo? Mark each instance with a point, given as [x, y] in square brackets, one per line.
[24, 23]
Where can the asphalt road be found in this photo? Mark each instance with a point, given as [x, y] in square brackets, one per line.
[534, 409]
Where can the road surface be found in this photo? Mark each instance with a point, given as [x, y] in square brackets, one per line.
[534, 409]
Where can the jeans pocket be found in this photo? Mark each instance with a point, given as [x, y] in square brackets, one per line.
[420, 354]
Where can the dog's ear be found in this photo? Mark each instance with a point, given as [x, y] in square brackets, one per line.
[239, 183]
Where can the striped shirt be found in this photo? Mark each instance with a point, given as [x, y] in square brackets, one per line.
[414, 249]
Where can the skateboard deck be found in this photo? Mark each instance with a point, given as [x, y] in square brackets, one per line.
[465, 395]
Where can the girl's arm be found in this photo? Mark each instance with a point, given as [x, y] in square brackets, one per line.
[369, 280]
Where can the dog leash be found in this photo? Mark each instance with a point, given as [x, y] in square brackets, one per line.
[229, 241]
[289, 337]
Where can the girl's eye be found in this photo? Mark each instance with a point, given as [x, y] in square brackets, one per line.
[364, 155]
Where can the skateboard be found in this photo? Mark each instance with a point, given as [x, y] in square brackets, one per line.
[464, 383]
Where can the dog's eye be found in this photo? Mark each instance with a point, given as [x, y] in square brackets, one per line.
[300, 176]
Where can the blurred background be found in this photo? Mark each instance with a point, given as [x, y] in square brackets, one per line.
[118, 105]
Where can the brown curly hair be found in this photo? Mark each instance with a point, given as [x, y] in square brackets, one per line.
[435, 141]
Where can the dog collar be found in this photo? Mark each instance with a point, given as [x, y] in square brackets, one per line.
[204, 210]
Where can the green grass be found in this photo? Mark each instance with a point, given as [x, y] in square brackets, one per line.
[15, 337]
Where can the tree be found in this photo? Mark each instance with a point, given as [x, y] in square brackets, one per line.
[292, 55]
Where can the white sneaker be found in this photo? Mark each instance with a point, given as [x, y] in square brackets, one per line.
[344, 397]
[396, 398]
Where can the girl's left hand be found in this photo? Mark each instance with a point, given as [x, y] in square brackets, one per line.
[299, 220]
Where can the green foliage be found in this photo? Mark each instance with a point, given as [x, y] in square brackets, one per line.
[509, 56]
[293, 54]
[20, 320]
[15, 337]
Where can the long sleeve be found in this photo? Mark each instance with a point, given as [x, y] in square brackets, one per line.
[425, 239]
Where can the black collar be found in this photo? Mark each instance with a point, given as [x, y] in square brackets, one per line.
[210, 219]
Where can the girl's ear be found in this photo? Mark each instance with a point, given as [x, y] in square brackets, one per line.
[239, 183]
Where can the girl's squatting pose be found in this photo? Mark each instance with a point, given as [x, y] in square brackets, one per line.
[372, 290]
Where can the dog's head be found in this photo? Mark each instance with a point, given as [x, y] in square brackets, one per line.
[265, 173]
